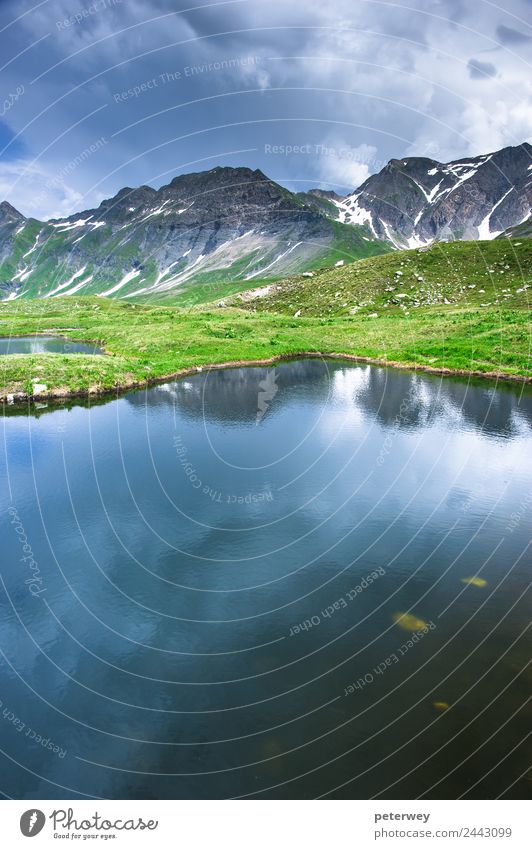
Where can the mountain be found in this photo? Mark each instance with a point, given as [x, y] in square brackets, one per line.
[216, 230]
[414, 201]
[9, 215]
[10, 221]
[227, 224]
[520, 231]
[322, 201]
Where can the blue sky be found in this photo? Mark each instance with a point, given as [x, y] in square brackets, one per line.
[100, 94]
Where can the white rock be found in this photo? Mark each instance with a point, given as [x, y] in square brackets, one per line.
[39, 388]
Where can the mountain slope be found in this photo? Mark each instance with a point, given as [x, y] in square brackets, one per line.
[520, 231]
[492, 275]
[219, 225]
[415, 201]
[10, 222]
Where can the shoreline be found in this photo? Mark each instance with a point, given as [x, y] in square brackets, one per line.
[13, 398]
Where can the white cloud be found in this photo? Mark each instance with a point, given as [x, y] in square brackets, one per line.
[385, 77]
[342, 167]
[498, 126]
[36, 192]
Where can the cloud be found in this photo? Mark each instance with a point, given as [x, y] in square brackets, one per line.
[500, 126]
[342, 167]
[37, 192]
[481, 70]
[507, 35]
[391, 78]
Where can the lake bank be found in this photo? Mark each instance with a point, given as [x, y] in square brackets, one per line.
[150, 344]
[120, 389]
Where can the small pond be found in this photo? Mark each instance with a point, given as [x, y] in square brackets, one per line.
[311, 580]
[45, 345]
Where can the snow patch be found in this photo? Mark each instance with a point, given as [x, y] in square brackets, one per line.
[351, 211]
[277, 258]
[66, 226]
[123, 282]
[77, 287]
[67, 282]
[484, 231]
[31, 249]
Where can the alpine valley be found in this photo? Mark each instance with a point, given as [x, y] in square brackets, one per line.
[234, 226]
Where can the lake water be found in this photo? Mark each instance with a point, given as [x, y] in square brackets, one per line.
[213, 575]
[45, 345]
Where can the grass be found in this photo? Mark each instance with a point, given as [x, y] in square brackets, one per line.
[149, 342]
[477, 274]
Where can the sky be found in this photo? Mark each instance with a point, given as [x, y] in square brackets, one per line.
[101, 94]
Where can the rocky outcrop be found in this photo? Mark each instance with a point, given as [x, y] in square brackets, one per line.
[416, 200]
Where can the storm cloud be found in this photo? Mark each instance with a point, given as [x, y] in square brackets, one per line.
[508, 35]
[352, 84]
[481, 70]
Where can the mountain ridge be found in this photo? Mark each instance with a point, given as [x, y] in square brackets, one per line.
[416, 200]
[227, 226]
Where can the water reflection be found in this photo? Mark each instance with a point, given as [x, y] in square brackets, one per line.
[45, 345]
[268, 582]
[404, 399]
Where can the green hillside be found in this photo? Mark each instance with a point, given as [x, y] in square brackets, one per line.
[480, 274]
[464, 309]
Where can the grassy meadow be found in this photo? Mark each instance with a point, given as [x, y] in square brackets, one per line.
[462, 307]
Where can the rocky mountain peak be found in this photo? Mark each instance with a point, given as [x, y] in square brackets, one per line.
[415, 200]
[8, 214]
[223, 224]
